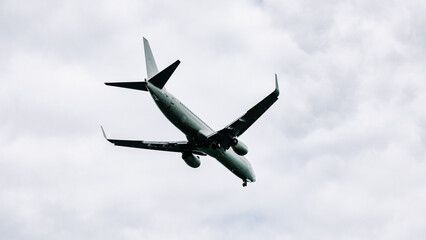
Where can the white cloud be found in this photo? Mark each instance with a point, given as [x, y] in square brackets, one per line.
[340, 155]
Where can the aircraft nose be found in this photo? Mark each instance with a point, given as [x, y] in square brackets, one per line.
[252, 177]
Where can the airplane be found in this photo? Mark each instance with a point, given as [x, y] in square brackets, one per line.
[202, 140]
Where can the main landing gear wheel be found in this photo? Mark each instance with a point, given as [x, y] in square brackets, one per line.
[234, 142]
[216, 145]
[245, 183]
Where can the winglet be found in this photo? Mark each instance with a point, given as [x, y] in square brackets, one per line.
[103, 132]
[277, 89]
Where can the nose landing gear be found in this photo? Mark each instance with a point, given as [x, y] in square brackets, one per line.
[244, 183]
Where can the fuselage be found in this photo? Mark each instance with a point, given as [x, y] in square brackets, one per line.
[196, 131]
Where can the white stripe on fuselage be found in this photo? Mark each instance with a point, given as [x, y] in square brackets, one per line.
[190, 124]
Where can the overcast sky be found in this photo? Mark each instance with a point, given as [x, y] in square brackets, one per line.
[341, 155]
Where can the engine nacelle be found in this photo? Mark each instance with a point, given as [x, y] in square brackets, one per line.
[191, 160]
[240, 148]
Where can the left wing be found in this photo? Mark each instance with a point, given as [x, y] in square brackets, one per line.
[181, 146]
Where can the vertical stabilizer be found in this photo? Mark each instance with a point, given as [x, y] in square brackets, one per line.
[151, 67]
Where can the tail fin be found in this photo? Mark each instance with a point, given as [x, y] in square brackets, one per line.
[158, 79]
[151, 67]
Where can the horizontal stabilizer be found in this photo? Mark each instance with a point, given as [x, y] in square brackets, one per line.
[161, 78]
[132, 85]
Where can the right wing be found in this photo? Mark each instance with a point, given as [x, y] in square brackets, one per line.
[240, 125]
[181, 146]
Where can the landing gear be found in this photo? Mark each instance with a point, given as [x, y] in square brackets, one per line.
[232, 143]
[216, 145]
[245, 183]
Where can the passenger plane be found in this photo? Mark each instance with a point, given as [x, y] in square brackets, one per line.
[202, 140]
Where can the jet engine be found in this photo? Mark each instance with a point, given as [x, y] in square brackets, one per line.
[191, 160]
[239, 147]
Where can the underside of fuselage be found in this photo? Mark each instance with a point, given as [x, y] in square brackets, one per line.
[191, 126]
